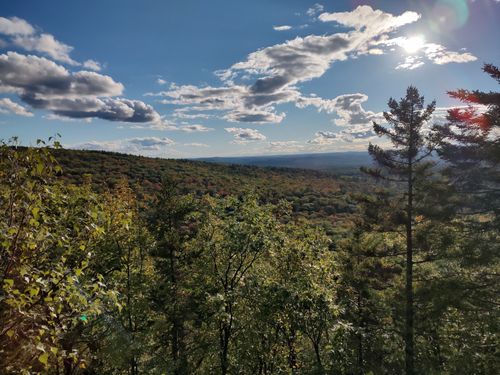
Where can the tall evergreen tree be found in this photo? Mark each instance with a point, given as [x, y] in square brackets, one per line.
[404, 164]
[470, 145]
[172, 225]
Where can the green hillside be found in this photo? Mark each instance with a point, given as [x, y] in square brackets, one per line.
[321, 196]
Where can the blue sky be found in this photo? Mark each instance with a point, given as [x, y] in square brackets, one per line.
[206, 78]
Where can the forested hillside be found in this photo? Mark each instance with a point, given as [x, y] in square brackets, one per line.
[115, 264]
[323, 197]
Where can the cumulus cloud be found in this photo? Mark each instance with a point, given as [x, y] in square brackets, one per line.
[278, 69]
[47, 44]
[348, 107]
[43, 84]
[92, 65]
[352, 117]
[244, 135]
[34, 76]
[22, 34]
[282, 28]
[373, 20]
[8, 106]
[15, 26]
[254, 87]
[111, 109]
[146, 145]
[161, 81]
[255, 116]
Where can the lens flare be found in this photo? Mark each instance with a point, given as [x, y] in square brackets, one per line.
[449, 15]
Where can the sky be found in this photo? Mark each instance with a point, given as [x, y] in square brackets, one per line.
[196, 78]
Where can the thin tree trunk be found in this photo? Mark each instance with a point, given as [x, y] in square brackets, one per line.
[409, 328]
[319, 364]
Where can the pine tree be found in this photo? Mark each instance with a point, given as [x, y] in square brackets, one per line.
[171, 221]
[470, 145]
[406, 162]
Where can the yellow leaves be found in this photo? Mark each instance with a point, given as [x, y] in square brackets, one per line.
[9, 282]
[39, 168]
[419, 218]
[35, 211]
[10, 332]
[33, 291]
[44, 358]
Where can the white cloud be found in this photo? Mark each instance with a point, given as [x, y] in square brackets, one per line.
[8, 106]
[282, 28]
[440, 55]
[348, 107]
[24, 35]
[15, 26]
[161, 81]
[374, 21]
[47, 44]
[92, 65]
[43, 84]
[278, 70]
[244, 135]
[255, 116]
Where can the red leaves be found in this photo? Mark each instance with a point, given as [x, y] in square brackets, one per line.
[470, 118]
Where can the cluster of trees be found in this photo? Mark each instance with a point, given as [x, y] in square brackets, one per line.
[106, 283]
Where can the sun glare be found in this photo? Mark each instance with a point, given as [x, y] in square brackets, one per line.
[413, 44]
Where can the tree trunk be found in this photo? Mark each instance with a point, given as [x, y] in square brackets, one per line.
[319, 364]
[224, 333]
[409, 329]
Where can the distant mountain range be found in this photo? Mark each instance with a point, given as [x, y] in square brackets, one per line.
[337, 162]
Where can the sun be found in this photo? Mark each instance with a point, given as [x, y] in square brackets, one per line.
[413, 44]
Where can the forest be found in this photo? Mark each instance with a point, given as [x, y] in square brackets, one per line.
[115, 264]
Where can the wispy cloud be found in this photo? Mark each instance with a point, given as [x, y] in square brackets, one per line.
[282, 28]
